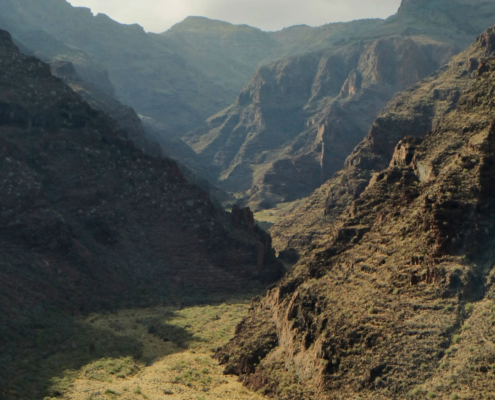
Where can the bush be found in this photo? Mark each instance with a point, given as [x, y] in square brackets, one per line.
[469, 308]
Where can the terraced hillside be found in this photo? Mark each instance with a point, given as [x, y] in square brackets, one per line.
[395, 300]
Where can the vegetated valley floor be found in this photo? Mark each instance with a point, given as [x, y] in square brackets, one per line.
[160, 353]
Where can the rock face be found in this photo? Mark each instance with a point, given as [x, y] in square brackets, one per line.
[295, 123]
[396, 299]
[413, 113]
[88, 220]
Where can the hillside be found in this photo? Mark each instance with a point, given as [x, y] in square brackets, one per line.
[413, 112]
[395, 300]
[294, 124]
[146, 75]
[89, 222]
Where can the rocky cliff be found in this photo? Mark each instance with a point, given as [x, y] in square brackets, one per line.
[88, 220]
[295, 123]
[413, 112]
[396, 299]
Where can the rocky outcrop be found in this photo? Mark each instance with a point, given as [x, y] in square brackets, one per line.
[388, 304]
[412, 113]
[89, 221]
[296, 122]
[293, 125]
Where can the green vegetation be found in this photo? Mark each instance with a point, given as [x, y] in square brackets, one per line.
[114, 348]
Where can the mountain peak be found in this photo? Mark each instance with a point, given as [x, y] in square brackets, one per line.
[197, 22]
[410, 5]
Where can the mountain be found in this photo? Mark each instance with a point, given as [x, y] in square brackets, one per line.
[145, 74]
[173, 80]
[294, 124]
[178, 78]
[89, 221]
[229, 54]
[395, 300]
[413, 112]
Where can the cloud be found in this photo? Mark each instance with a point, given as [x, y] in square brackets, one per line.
[159, 15]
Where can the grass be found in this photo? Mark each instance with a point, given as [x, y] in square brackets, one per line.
[268, 218]
[125, 357]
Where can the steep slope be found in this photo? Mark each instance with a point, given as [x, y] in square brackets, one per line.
[88, 220]
[147, 75]
[413, 112]
[295, 123]
[102, 101]
[225, 53]
[396, 301]
[146, 134]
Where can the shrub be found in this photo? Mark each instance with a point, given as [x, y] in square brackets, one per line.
[431, 395]
[469, 308]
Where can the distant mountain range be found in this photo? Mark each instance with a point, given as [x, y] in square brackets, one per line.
[305, 96]
[294, 124]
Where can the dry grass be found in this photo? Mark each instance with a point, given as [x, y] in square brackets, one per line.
[176, 360]
[268, 218]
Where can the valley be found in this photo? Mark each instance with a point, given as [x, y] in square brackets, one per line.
[219, 212]
[154, 353]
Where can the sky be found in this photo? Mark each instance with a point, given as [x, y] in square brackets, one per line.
[269, 15]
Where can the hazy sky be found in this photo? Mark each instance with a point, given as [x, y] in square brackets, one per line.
[159, 15]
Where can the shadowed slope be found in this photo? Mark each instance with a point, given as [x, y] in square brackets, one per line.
[87, 220]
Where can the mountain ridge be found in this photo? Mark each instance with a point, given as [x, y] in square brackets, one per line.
[292, 128]
[395, 299]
